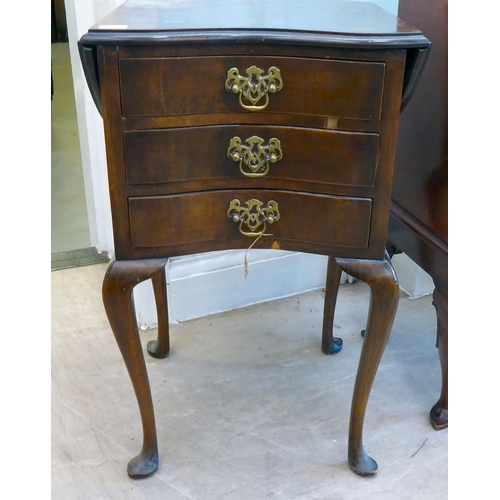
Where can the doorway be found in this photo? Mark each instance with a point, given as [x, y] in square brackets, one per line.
[70, 235]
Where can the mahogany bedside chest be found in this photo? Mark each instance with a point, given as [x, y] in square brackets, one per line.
[250, 122]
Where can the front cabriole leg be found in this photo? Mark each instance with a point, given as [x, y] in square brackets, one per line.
[379, 275]
[119, 281]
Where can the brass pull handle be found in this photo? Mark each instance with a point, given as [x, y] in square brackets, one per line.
[253, 218]
[255, 157]
[255, 86]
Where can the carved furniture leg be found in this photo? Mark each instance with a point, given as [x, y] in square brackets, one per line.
[379, 275]
[161, 347]
[119, 281]
[439, 412]
[329, 343]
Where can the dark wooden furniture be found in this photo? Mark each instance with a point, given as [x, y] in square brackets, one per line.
[418, 223]
[59, 31]
[250, 123]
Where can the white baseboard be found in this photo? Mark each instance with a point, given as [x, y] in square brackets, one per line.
[204, 284]
[413, 280]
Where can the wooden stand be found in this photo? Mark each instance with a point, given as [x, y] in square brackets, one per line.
[119, 282]
[243, 132]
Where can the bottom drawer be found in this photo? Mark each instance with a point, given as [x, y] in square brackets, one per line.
[236, 215]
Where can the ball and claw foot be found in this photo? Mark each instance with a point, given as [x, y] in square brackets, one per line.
[155, 350]
[143, 465]
[364, 465]
[334, 347]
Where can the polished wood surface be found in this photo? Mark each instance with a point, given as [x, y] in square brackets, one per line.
[421, 167]
[117, 287]
[349, 89]
[379, 275]
[149, 16]
[418, 224]
[329, 343]
[159, 71]
[439, 412]
[385, 126]
[160, 348]
[341, 160]
[155, 221]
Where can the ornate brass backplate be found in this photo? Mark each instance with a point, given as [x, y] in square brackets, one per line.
[255, 86]
[255, 157]
[253, 218]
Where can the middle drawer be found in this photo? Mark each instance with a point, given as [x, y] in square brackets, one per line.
[241, 151]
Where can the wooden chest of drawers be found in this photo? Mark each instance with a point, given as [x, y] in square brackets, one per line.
[226, 131]
[179, 127]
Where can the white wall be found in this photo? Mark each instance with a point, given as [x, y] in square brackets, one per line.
[197, 285]
[413, 280]
[389, 5]
[80, 16]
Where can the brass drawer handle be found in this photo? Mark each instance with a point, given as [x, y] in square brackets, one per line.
[254, 217]
[253, 87]
[254, 159]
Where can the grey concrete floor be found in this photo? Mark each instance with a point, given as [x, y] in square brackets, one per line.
[247, 406]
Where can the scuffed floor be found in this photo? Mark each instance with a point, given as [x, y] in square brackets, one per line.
[247, 406]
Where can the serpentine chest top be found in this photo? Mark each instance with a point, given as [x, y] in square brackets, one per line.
[230, 124]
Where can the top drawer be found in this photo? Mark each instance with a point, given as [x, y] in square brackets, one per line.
[232, 84]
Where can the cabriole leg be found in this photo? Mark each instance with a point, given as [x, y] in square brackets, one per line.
[379, 275]
[119, 281]
[161, 347]
[439, 412]
[329, 343]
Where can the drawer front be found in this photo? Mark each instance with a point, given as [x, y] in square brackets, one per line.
[239, 216]
[231, 84]
[248, 152]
